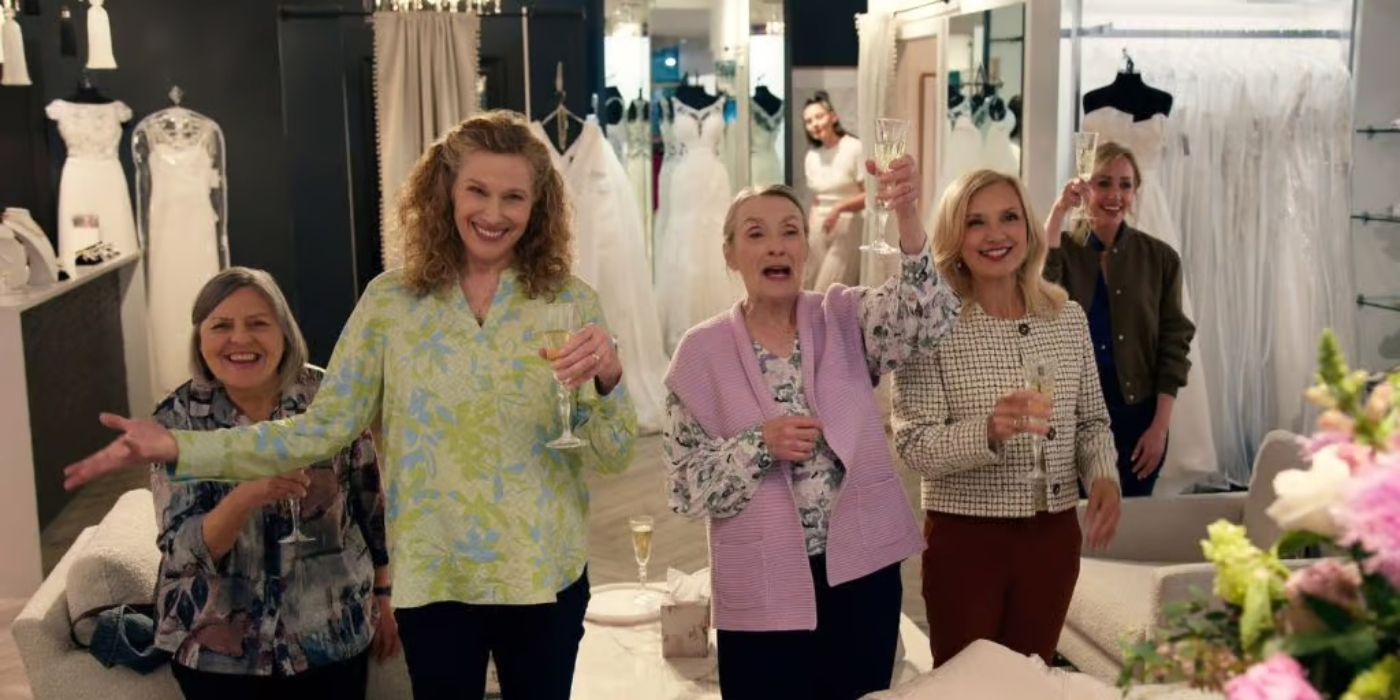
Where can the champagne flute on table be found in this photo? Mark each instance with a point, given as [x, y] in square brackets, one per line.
[640, 527]
[890, 137]
[1040, 378]
[1086, 146]
[560, 321]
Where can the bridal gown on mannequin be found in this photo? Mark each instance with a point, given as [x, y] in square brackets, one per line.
[611, 257]
[763, 148]
[93, 183]
[1191, 445]
[183, 247]
[693, 281]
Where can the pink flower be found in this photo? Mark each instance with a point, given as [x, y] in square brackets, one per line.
[1279, 678]
[1322, 440]
[1330, 580]
[1369, 516]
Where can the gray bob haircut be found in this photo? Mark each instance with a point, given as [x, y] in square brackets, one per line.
[220, 287]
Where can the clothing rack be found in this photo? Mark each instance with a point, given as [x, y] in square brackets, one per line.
[315, 11]
[1363, 300]
[1108, 31]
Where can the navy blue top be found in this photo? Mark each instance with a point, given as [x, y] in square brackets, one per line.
[1100, 321]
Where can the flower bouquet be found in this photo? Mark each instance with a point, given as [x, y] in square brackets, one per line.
[1330, 629]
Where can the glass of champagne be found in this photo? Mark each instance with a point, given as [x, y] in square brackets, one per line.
[890, 137]
[1086, 145]
[1040, 378]
[296, 536]
[559, 323]
[640, 527]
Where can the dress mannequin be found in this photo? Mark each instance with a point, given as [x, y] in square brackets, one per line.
[99, 28]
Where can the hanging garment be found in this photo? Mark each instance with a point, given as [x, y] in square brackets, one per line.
[1191, 447]
[764, 147]
[183, 246]
[998, 153]
[962, 151]
[611, 258]
[16, 69]
[693, 281]
[671, 151]
[99, 29]
[639, 170]
[834, 175]
[93, 183]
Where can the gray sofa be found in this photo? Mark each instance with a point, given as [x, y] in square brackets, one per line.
[116, 561]
[1156, 559]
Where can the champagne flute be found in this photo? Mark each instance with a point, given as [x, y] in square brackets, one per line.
[640, 527]
[1086, 145]
[559, 323]
[296, 536]
[1040, 378]
[890, 136]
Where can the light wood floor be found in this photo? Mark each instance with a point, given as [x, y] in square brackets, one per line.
[641, 490]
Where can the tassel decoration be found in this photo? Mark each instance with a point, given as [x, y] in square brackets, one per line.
[99, 28]
[16, 70]
[67, 34]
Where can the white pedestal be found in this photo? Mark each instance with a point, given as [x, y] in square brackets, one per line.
[19, 510]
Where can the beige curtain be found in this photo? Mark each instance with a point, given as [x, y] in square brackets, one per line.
[425, 67]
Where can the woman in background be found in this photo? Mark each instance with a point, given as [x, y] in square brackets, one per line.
[835, 172]
[1142, 337]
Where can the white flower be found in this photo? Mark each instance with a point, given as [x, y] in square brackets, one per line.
[1306, 497]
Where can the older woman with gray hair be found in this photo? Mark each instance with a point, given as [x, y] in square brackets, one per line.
[245, 608]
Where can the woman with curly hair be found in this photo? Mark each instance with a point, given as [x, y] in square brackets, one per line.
[487, 526]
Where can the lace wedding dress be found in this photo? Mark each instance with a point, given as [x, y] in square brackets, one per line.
[93, 184]
[693, 281]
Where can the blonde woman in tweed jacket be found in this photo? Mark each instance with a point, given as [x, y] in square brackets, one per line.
[1003, 548]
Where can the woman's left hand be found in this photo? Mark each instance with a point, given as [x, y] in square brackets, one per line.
[386, 636]
[1147, 456]
[590, 354]
[1101, 516]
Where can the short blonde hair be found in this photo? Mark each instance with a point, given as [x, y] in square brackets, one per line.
[434, 254]
[731, 218]
[222, 286]
[950, 229]
[1104, 156]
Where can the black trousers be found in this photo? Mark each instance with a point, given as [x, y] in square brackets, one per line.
[446, 646]
[851, 652]
[1128, 424]
[344, 680]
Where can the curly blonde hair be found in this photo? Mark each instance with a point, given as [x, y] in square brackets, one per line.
[1042, 298]
[434, 255]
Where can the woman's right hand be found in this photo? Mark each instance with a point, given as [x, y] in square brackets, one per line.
[1016, 413]
[1075, 194]
[253, 495]
[143, 442]
[792, 438]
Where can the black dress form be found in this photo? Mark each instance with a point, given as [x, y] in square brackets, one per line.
[767, 101]
[87, 93]
[613, 106]
[695, 97]
[1128, 93]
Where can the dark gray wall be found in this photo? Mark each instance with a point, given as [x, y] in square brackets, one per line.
[824, 33]
[293, 98]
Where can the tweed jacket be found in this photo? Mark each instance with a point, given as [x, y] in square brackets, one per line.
[942, 401]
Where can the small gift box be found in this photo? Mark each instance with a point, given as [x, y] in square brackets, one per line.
[685, 615]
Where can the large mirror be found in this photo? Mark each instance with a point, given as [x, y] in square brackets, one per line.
[983, 63]
[768, 71]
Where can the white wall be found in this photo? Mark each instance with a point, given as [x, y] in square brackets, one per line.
[1375, 182]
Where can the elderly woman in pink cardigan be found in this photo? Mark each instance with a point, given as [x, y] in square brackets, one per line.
[775, 436]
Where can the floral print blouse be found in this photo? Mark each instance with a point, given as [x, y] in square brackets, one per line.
[906, 316]
[267, 608]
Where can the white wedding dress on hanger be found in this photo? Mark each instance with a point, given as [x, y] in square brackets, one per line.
[610, 254]
[693, 281]
[93, 183]
[1191, 443]
[184, 243]
[764, 148]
